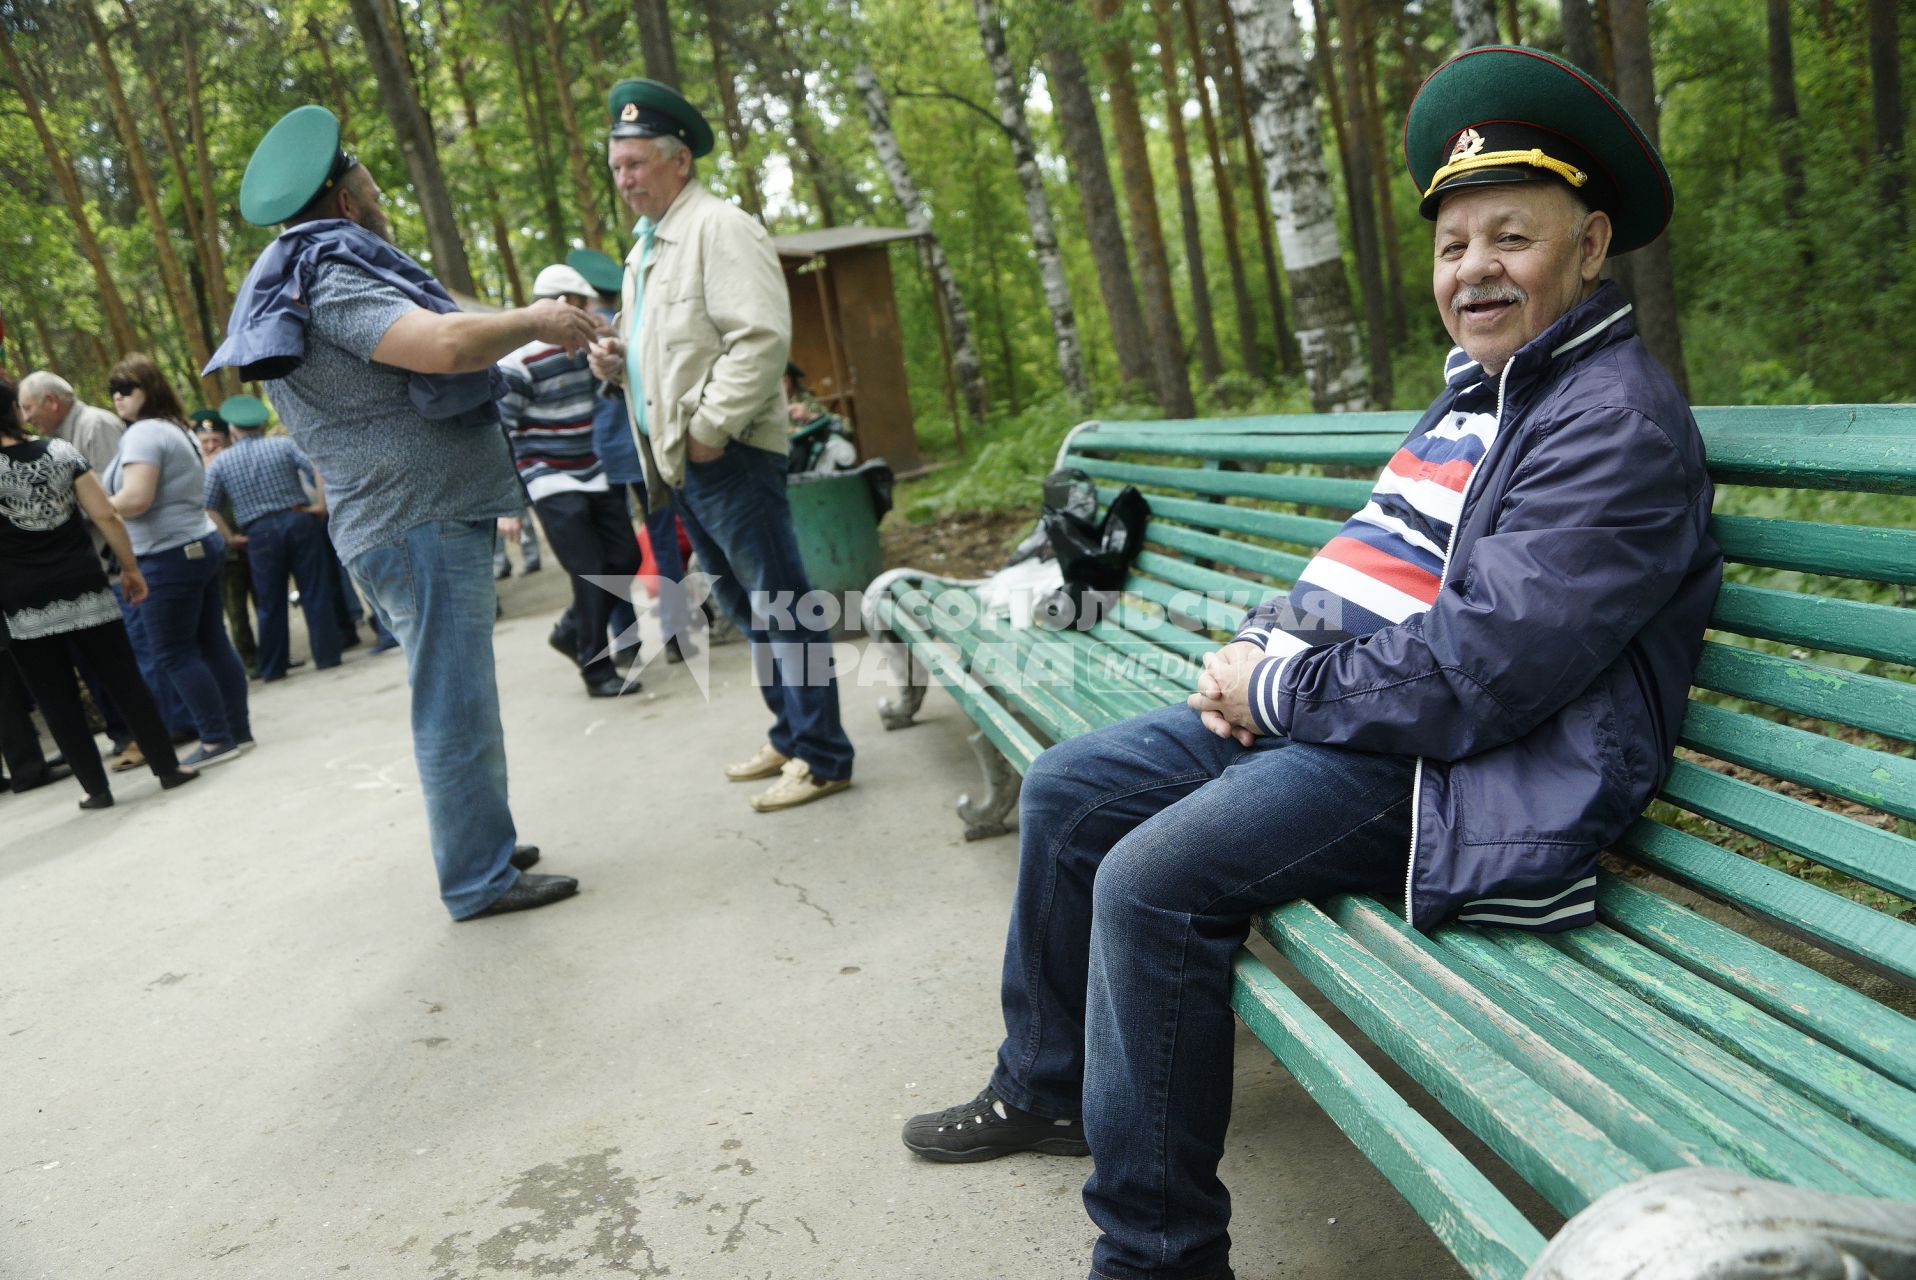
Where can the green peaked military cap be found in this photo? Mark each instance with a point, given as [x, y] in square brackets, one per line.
[206, 415]
[244, 411]
[601, 270]
[1502, 114]
[298, 159]
[648, 109]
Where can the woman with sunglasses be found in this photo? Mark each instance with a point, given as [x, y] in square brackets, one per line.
[158, 485]
[54, 597]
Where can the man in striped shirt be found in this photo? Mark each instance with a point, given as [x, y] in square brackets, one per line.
[547, 411]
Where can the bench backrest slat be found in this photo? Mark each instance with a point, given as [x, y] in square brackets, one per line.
[1868, 702]
[1840, 768]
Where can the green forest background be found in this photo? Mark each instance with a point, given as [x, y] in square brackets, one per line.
[1792, 264]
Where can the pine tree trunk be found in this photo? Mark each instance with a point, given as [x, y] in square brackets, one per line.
[501, 233]
[1147, 233]
[1886, 106]
[1382, 173]
[1288, 358]
[171, 274]
[176, 156]
[532, 109]
[1091, 175]
[416, 145]
[1580, 37]
[112, 305]
[1361, 187]
[1476, 22]
[1646, 274]
[1789, 154]
[1210, 363]
[1512, 28]
[964, 347]
[209, 204]
[790, 79]
[1226, 197]
[1010, 92]
[655, 41]
[582, 189]
[1285, 122]
[718, 29]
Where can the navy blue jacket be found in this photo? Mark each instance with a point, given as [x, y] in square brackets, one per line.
[1544, 689]
[266, 337]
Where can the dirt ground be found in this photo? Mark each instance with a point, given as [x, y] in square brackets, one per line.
[968, 545]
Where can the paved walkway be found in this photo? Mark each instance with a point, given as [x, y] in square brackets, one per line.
[241, 1039]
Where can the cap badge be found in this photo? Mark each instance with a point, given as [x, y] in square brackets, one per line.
[1469, 143]
[630, 113]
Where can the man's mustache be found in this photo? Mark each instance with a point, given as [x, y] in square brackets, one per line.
[1473, 294]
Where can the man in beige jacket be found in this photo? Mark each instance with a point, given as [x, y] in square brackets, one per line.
[700, 348]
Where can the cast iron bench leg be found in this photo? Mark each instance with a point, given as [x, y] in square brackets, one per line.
[1688, 1224]
[910, 680]
[989, 815]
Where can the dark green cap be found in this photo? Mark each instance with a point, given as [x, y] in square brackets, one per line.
[1503, 114]
[206, 415]
[245, 411]
[297, 160]
[648, 109]
[601, 270]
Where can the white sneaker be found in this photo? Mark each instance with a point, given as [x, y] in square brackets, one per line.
[796, 786]
[765, 764]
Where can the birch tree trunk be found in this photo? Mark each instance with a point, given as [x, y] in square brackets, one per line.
[1010, 91]
[112, 305]
[1646, 274]
[718, 29]
[1476, 22]
[1363, 211]
[1284, 120]
[416, 146]
[964, 348]
[1091, 175]
[1147, 233]
[171, 275]
[1210, 364]
[222, 297]
[655, 41]
[1287, 355]
[592, 230]
[1226, 199]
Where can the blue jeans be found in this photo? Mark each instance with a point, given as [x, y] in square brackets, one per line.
[292, 543]
[433, 589]
[186, 631]
[1145, 847]
[740, 522]
[172, 710]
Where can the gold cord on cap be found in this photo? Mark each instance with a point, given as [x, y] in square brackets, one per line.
[1496, 159]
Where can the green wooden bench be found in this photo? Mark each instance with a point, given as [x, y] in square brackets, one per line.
[1660, 1038]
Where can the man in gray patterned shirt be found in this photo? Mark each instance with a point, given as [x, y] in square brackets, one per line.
[413, 486]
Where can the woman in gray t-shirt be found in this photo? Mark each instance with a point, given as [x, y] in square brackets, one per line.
[158, 485]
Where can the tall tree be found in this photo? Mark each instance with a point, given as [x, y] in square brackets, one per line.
[1287, 354]
[1886, 104]
[209, 200]
[582, 183]
[1382, 172]
[1361, 191]
[532, 111]
[1789, 149]
[173, 278]
[1147, 233]
[1226, 197]
[1077, 114]
[413, 132]
[1646, 274]
[1476, 22]
[342, 106]
[1210, 364]
[112, 305]
[1285, 120]
[501, 233]
[1009, 87]
[1580, 36]
[655, 40]
[965, 363]
[718, 29]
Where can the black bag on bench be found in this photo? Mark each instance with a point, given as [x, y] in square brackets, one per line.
[1093, 555]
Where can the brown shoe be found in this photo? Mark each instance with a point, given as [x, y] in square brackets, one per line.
[765, 764]
[796, 786]
[131, 758]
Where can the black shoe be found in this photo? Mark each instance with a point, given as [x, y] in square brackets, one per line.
[501, 570]
[988, 1127]
[530, 891]
[178, 778]
[524, 856]
[54, 772]
[102, 801]
[560, 638]
[611, 686]
[349, 641]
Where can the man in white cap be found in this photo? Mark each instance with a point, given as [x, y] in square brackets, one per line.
[547, 409]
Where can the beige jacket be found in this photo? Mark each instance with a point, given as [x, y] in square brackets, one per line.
[717, 333]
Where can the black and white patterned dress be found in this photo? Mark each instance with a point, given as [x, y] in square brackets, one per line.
[51, 582]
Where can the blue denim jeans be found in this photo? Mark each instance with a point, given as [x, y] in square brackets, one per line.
[1145, 847]
[433, 590]
[186, 631]
[740, 522]
[172, 709]
[283, 544]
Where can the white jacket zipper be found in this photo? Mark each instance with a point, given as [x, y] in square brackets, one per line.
[1443, 576]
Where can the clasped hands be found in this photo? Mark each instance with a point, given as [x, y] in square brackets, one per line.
[1223, 697]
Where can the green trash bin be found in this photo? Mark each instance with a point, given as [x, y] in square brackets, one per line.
[836, 520]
